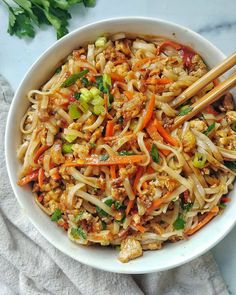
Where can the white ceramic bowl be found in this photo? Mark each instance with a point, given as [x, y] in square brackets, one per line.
[105, 258]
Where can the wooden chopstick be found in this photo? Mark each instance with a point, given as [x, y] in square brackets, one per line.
[206, 100]
[204, 80]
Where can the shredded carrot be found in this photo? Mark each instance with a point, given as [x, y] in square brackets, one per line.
[168, 43]
[138, 175]
[129, 94]
[210, 110]
[225, 199]
[150, 170]
[113, 172]
[39, 152]
[143, 61]
[139, 227]
[167, 137]
[56, 176]
[117, 77]
[204, 221]
[28, 178]
[109, 128]
[148, 112]
[129, 207]
[148, 145]
[41, 177]
[115, 160]
[158, 202]
[160, 81]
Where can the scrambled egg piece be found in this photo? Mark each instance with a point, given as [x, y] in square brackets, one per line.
[189, 141]
[198, 125]
[130, 249]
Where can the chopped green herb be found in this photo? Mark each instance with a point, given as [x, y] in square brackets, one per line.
[104, 225]
[118, 205]
[185, 110]
[222, 205]
[89, 3]
[77, 95]
[77, 233]
[210, 128]
[154, 153]
[106, 81]
[230, 164]
[125, 153]
[93, 145]
[56, 215]
[67, 148]
[233, 127]
[179, 223]
[104, 157]
[199, 160]
[73, 78]
[79, 216]
[186, 206]
[85, 82]
[69, 138]
[99, 109]
[101, 212]
[58, 70]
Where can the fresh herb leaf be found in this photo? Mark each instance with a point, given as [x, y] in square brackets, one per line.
[104, 157]
[77, 232]
[210, 128]
[230, 164]
[20, 23]
[179, 223]
[58, 70]
[118, 205]
[186, 206]
[154, 153]
[125, 153]
[56, 215]
[185, 110]
[73, 78]
[89, 3]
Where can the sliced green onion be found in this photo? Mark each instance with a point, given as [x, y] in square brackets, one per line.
[199, 160]
[73, 78]
[94, 91]
[74, 113]
[222, 205]
[83, 106]
[210, 128]
[101, 212]
[77, 95]
[154, 153]
[86, 95]
[185, 110]
[69, 138]
[67, 148]
[79, 216]
[56, 215]
[106, 80]
[179, 223]
[230, 164]
[104, 157]
[85, 81]
[125, 153]
[100, 42]
[98, 100]
[98, 110]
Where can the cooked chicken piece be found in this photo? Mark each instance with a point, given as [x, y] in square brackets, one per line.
[80, 150]
[198, 125]
[130, 249]
[198, 68]
[189, 141]
[56, 153]
[152, 246]
[228, 103]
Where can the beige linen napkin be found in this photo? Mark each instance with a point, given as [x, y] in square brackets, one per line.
[29, 265]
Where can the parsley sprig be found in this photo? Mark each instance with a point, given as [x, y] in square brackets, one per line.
[25, 15]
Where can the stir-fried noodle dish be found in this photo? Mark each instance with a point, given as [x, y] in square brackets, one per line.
[100, 155]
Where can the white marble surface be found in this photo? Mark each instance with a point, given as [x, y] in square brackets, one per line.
[214, 19]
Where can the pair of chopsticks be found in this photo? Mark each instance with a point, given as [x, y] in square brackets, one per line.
[212, 96]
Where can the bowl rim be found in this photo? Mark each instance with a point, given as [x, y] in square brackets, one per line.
[48, 237]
